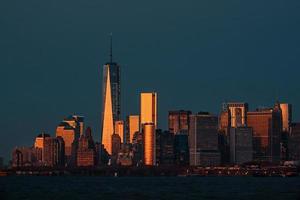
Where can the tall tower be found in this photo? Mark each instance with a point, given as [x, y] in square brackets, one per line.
[111, 100]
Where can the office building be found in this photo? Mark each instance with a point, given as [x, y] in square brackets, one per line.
[111, 101]
[294, 142]
[148, 108]
[179, 121]
[238, 113]
[203, 140]
[286, 110]
[149, 143]
[181, 149]
[241, 147]
[86, 152]
[132, 126]
[119, 129]
[164, 147]
[267, 126]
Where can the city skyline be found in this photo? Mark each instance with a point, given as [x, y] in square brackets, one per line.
[213, 60]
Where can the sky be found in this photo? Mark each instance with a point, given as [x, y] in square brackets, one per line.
[195, 54]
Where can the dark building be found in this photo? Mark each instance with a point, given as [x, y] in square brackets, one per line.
[24, 157]
[267, 127]
[164, 147]
[294, 142]
[224, 130]
[241, 146]
[86, 152]
[179, 121]
[125, 155]
[181, 149]
[116, 147]
[137, 148]
[1, 163]
[203, 140]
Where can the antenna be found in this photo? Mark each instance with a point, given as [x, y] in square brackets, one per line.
[111, 56]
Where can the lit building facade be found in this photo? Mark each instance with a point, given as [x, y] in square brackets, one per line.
[267, 127]
[286, 110]
[132, 126]
[148, 108]
[203, 140]
[149, 143]
[178, 121]
[119, 129]
[238, 113]
[86, 151]
[241, 145]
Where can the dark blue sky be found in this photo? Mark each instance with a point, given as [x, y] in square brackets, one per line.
[195, 54]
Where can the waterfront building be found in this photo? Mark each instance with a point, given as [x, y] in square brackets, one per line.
[148, 108]
[241, 147]
[132, 126]
[164, 147]
[203, 140]
[267, 127]
[149, 143]
[111, 101]
[119, 129]
[178, 121]
[23, 157]
[181, 149]
[53, 152]
[116, 147]
[294, 142]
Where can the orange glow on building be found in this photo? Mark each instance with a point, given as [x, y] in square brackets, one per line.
[133, 126]
[148, 108]
[108, 122]
[286, 110]
[119, 129]
[68, 134]
[149, 143]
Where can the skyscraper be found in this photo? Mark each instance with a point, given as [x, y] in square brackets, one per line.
[148, 110]
[267, 127]
[119, 129]
[241, 148]
[132, 126]
[238, 113]
[149, 143]
[203, 140]
[111, 100]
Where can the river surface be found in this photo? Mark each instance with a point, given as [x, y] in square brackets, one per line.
[79, 187]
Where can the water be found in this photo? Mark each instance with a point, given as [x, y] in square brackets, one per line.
[74, 188]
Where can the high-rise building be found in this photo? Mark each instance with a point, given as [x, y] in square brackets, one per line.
[241, 148]
[203, 140]
[116, 147]
[69, 135]
[179, 121]
[238, 113]
[286, 110]
[181, 149]
[39, 147]
[148, 110]
[53, 152]
[119, 129]
[80, 120]
[164, 147]
[86, 152]
[149, 143]
[132, 126]
[267, 126]
[23, 157]
[294, 142]
[111, 101]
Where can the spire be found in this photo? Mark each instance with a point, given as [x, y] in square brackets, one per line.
[111, 56]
